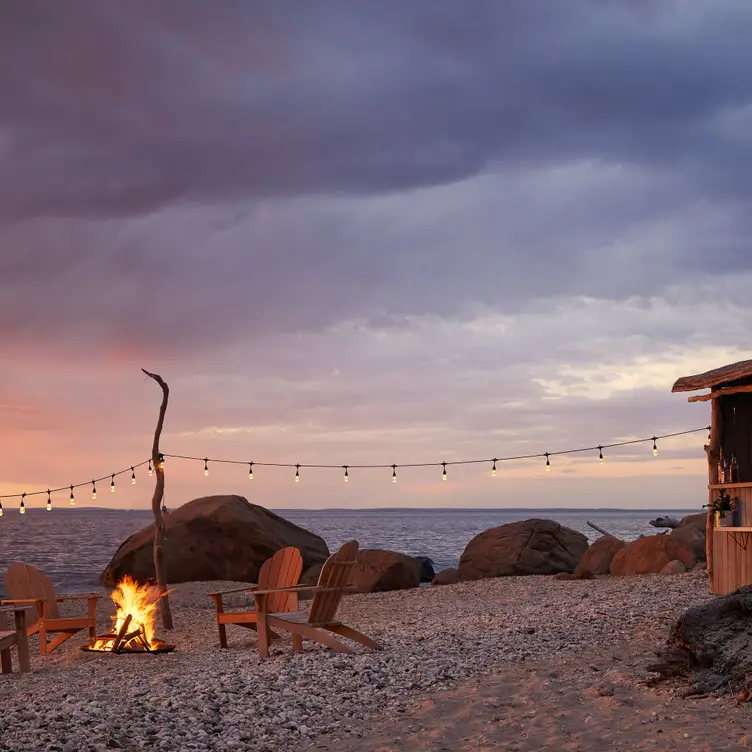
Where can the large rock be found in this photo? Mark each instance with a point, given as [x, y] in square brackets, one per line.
[690, 533]
[377, 570]
[597, 559]
[649, 555]
[214, 538]
[674, 567]
[531, 546]
[712, 644]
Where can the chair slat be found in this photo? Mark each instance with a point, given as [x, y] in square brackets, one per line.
[334, 574]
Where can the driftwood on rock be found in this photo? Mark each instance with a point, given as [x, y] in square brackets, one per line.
[165, 612]
[711, 644]
[665, 522]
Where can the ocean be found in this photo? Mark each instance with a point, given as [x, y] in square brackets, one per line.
[72, 546]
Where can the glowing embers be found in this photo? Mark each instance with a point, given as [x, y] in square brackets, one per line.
[133, 623]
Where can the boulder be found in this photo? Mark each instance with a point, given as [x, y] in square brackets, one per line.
[377, 570]
[712, 644]
[649, 555]
[690, 533]
[597, 559]
[445, 577]
[531, 546]
[426, 568]
[214, 538]
[674, 567]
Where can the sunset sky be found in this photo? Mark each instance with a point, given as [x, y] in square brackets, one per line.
[370, 232]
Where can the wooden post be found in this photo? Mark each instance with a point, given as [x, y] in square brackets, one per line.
[713, 450]
[156, 507]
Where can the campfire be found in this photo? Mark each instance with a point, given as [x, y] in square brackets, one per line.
[133, 624]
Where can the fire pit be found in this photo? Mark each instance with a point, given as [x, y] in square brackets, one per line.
[133, 623]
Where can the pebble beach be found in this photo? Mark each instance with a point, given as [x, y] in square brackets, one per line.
[437, 641]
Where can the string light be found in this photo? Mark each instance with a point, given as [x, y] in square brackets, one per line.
[710, 437]
[1, 508]
[112, 484]
[206, 466]
[161, 461]
[49, 501]
[443, 472]
[600, 454]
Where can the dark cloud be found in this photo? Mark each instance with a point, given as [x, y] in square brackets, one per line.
[124, 108]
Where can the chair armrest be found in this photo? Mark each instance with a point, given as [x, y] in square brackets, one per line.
[11, 609]
[302, 588]
[81, 597]
[21, 600]
[250, 586]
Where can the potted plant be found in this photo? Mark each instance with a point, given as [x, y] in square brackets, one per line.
[723, 507]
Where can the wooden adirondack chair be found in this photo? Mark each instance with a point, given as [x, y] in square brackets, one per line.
[15, 637]
[320, 620]
[25, 584]
[280, 571]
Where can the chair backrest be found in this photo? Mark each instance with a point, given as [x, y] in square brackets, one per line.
[23, 581]
[281, 570]
[334, 574]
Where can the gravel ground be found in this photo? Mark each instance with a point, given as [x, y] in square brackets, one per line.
[204, 698]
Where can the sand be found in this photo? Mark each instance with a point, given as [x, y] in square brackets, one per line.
[518, 663]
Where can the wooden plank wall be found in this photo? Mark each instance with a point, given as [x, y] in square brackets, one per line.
[732, 565]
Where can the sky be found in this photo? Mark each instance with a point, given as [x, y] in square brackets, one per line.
[370, 233]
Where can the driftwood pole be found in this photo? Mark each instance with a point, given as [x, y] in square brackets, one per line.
[713, 450]
[156, 506]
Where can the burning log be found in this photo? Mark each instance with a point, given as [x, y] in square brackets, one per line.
[121, 633]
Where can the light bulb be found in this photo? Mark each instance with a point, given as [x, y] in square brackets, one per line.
[250, 471]
[1, 508]
[493, 469]
[394, 473]
[133, 476]
[93, 490]
[151, 469]
[347, 477]
[49, 501]
[112, 485]
[655, 447]
[72, 497]
[23, 508]
[548, 464]
[297, 473]
[161, 462]
[443, 472]
[600, 454]
[206, 467]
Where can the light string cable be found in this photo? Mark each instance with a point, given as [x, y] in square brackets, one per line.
[494, 461]
[346, 468]
[131, 469]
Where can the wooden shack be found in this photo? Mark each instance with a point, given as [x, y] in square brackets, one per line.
[728, 541]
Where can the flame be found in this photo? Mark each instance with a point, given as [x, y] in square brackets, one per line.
[140, 601]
